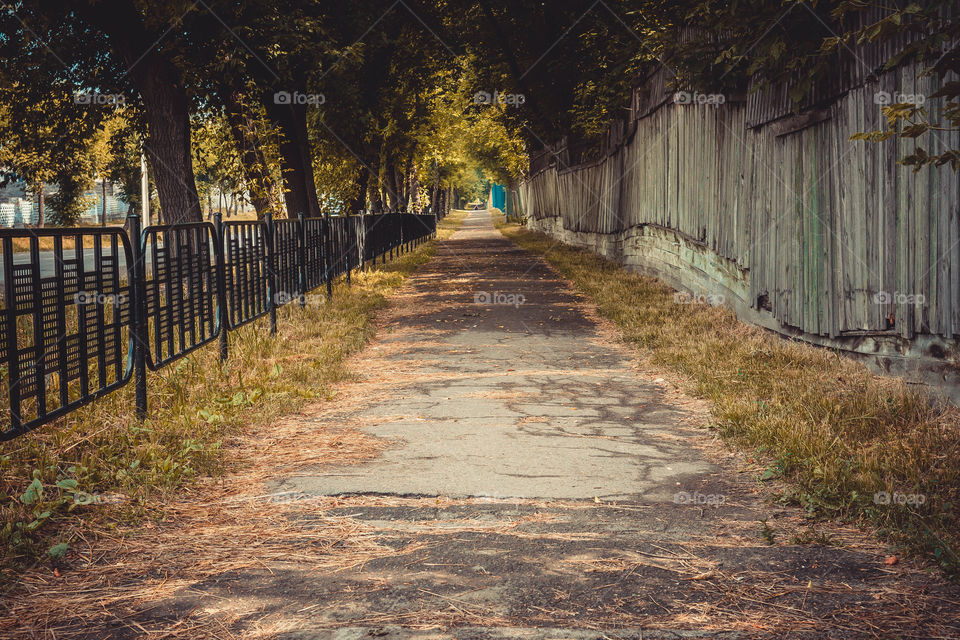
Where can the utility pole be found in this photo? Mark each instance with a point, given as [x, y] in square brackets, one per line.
[144, 190]
[103, 215]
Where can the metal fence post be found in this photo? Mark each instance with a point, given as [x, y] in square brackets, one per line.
[327, 256]
[13, 366]
[302, 258]
[347, 223]
[222, 311]
[138, 327]
[362, 241]
[271, 274]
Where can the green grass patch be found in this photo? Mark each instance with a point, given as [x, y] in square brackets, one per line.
[837, 433]
[52, 479]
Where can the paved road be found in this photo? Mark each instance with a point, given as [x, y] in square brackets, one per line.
[48, 262]
[530, 481]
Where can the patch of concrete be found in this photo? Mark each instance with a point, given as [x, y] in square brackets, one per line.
[603, 428]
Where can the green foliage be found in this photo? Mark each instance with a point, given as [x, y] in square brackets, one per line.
[119, 152]
[574, 63]
[925, 34]
[216, 158]
[398, 119]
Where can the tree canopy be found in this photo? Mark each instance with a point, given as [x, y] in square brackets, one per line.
[332, 107]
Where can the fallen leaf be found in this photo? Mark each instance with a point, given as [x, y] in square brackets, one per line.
[891, 560]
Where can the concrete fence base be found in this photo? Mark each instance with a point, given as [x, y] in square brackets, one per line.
[692, 268]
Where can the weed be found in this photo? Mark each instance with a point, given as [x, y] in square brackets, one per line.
[811, 535]
[767, 532]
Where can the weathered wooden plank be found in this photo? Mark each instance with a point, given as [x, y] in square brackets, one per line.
[825, 226]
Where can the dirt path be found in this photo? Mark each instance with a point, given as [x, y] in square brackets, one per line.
[504, 469]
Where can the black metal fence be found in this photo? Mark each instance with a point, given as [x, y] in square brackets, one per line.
[85, 311]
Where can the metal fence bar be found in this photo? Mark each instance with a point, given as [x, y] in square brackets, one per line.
[64, 323]
[285, 261]
[271, 274]
[327, 257]
[80, 322]
[245, 268]
[139, 336]
[314, 266]
[223, 314]
[302, 259]
[181, 295]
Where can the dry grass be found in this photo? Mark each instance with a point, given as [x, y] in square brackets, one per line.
[198, 408]
[836, 432]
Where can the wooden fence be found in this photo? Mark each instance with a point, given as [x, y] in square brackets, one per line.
[798, 227]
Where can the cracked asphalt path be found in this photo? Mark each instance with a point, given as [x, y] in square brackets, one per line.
[525, 488]
[508, 391]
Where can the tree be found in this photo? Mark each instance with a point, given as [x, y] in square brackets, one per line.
[46, 126]
[572, 73]
[160, 86]
[124, 141]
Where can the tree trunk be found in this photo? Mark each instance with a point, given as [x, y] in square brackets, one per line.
[390, 186]
[358, 203]
[168, 144]
[256, 173]
[404, 184]
[436, 188]
[414, 190]
[398, 186]
[301, 191]
[376, 199]
[165, 103]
